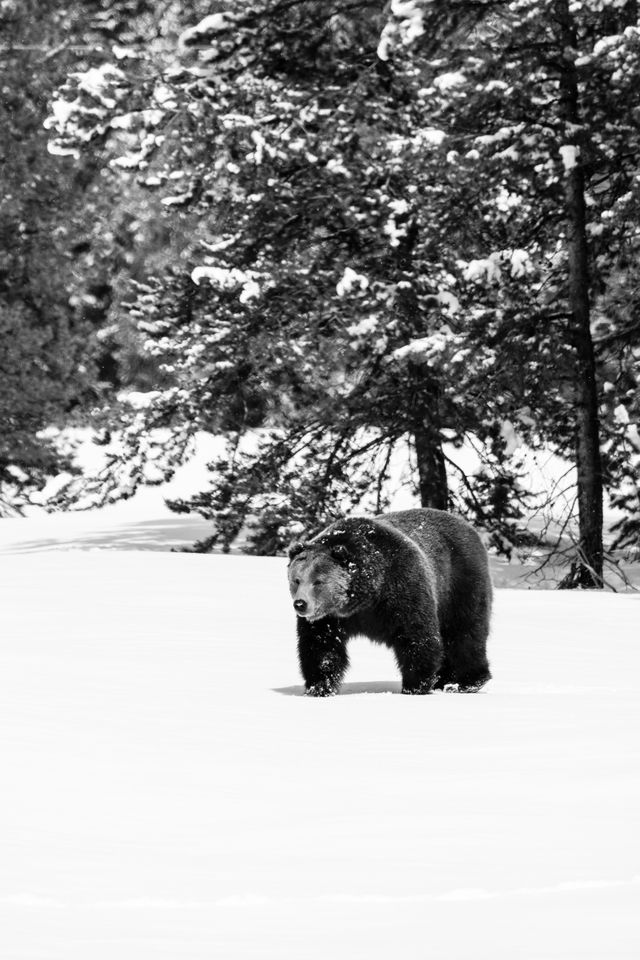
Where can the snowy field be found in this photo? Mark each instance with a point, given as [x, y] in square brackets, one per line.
[167, 792]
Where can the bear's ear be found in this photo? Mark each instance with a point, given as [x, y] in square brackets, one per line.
[340, 553]
[295, 549]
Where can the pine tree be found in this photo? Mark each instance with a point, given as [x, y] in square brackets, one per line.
[408, 223]
[69, 235]
[537, 97]
[322, 309]
[45, 361]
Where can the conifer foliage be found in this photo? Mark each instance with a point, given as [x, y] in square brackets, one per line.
[44, 363]
[411, 224]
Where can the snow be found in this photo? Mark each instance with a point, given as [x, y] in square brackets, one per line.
[425, 347]
[394, 231]
[351, 281]
[139, 399]
[97, 80]
[229, 278]
[206, 29]
[333, 166]
[448, 301]
[168, 792]
[399, 207]
[406, 25]
[61, 110]
[364, 328]
[260, 146]
[448, 80]
[124, 53]
[485, 268]
[520, 263]
[503, 133]
[430, 135]
[489, 269]
[513, 440]
[569, 153]
[605, 45]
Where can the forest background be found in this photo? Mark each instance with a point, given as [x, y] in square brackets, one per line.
[333, 233]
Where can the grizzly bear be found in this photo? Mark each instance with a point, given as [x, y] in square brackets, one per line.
[417, 581]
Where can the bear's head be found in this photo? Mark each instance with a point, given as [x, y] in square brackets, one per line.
[340, 571]
[320, 580]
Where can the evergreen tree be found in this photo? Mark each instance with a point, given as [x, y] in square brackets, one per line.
[37, 354]
[323, 309]
[539, 99]
[70, 236]
[53, 291]
[408, 223]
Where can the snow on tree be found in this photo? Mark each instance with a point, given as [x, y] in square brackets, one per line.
[52, 291]
[539, 119]
[387, 245]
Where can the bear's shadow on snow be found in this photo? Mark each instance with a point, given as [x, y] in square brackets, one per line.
[348, 689]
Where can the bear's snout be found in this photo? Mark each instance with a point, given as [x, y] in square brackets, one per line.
[300, 606]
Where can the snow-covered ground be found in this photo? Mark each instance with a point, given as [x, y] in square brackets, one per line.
[167, 792]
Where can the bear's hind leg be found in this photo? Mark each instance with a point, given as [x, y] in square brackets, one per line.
[473, 681]
[465, 641]
[322, 653]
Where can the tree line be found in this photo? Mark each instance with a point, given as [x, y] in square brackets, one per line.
[330, 232]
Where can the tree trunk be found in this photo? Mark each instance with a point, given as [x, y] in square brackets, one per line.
[432, 473]
[423, 392]
[425, 428]
[587, 568]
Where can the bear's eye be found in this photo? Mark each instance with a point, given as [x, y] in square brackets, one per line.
[296, 582]
[318, 583]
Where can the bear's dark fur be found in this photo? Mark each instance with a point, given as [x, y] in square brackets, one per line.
[417, 581]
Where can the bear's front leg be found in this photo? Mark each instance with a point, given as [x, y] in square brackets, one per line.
[322, 653]
[419, 661]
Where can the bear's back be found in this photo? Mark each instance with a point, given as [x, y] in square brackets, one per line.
[453, 548]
